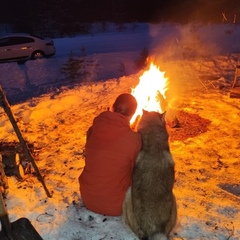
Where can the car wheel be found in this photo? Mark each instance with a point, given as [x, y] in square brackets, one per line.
[37, 54]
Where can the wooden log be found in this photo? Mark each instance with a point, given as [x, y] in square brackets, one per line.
[3, 179]
[134, 125]
[25, 147]
[171, 118]
[12, 165]
[13, 159]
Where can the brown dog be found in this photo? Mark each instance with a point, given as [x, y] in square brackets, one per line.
[149, 207]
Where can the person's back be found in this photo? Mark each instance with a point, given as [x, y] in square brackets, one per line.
[111, 150]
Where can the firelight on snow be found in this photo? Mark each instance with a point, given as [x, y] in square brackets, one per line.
[148, 92]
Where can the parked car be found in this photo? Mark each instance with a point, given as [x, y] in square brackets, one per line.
[22, 47]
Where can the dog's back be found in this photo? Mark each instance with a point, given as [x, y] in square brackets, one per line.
[153, 203]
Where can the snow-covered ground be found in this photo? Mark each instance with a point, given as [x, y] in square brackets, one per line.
[54, 113]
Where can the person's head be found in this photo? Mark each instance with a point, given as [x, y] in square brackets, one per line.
[125, 104]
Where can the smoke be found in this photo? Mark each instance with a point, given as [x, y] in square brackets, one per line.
[191, 41]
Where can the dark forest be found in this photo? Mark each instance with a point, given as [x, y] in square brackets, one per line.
[71, 16]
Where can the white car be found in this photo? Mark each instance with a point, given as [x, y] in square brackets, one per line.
[22, 47]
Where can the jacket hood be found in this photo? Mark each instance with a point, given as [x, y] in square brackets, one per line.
[109, 124]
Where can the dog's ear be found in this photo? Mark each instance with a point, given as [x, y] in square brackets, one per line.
[163, 117]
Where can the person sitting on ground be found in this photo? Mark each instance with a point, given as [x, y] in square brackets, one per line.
[110, 153]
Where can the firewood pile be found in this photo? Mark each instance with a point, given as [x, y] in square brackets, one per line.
[13, 162]
[3, 179]
[189, 126]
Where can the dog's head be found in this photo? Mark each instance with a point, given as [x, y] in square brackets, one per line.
[152, 119]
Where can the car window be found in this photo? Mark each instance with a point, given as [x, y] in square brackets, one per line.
[15, 40]
[4, 42]
[20, 40]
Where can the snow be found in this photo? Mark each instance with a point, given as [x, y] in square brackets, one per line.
[200, 62]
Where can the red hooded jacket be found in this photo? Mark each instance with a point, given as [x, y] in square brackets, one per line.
[111, 151]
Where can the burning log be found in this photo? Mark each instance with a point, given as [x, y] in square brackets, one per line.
[135, 123]
[170, 115]
[25, 147]
[171, 118]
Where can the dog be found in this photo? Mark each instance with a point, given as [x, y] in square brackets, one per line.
[149, 207]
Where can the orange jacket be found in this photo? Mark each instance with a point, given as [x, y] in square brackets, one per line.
[111, 150]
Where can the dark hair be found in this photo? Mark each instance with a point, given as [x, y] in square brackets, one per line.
[125, 104]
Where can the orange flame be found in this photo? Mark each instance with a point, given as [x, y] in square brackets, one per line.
[151, 84]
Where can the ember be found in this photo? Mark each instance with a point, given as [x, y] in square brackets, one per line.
[191, 125]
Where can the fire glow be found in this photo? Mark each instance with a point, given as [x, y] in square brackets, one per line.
[151, 86]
